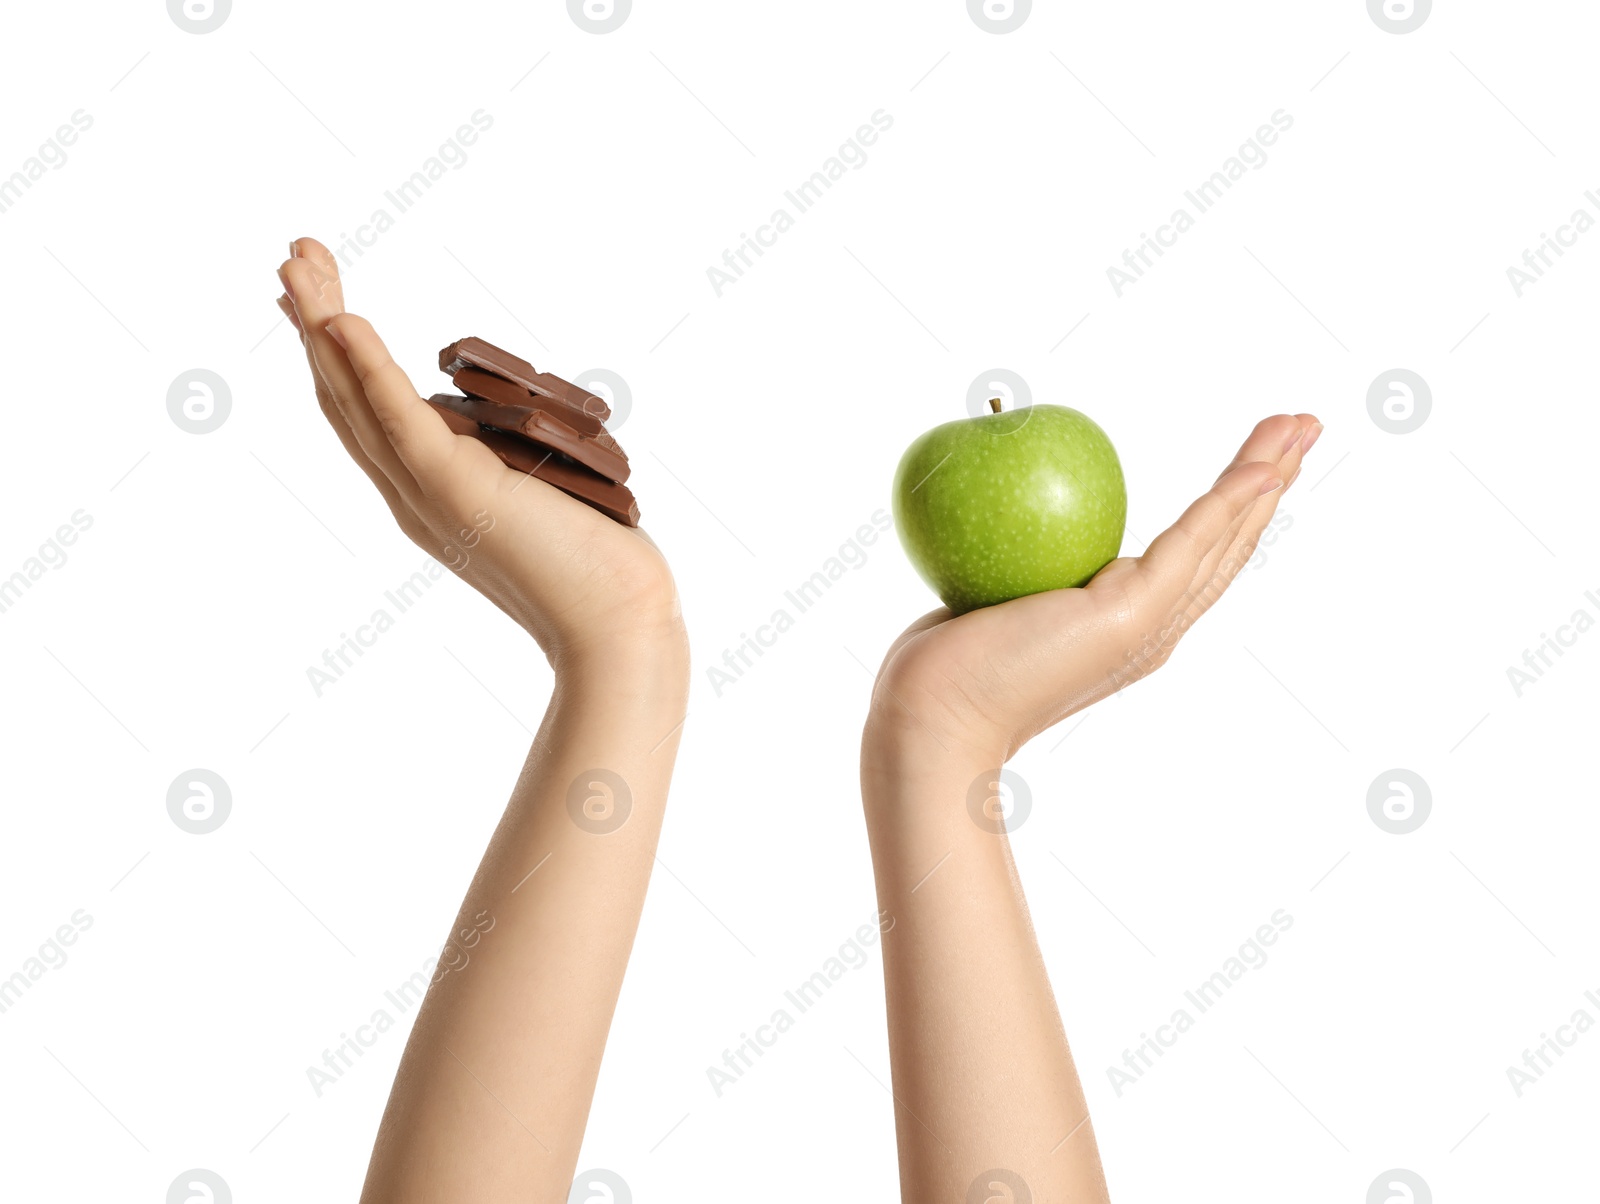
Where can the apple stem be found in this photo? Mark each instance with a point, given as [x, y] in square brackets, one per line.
[994, 404]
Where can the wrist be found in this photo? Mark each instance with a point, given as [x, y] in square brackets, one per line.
[642, 675]
[897, 738]
[657, 648]
[906, 765]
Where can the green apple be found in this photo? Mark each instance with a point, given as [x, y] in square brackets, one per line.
[1011, 503]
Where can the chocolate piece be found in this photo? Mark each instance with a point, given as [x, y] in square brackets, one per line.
[457, 424]
[477, 383]
[543, 428]
[480, 385]
[613, 500]
[474, 352]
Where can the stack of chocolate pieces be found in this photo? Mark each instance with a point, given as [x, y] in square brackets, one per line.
[538, 424]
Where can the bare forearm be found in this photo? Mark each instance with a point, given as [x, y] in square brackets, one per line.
[983, 1077]
[508, 1044]
[981, 1067]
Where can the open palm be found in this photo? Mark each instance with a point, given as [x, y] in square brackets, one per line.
[575, 579]
[992, 679]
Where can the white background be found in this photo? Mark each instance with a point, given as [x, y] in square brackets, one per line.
[1376, 634]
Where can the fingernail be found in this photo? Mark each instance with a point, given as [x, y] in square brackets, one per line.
[333, 333]
[1272, 486]
[1312, 436]
[1293, 439]
[294, 249]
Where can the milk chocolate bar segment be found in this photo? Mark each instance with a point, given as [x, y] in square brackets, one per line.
[477, 383]
[456, 423]
[474, 352]
[613, 500]
[485, 355]
[570, 394]
[539, 427]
